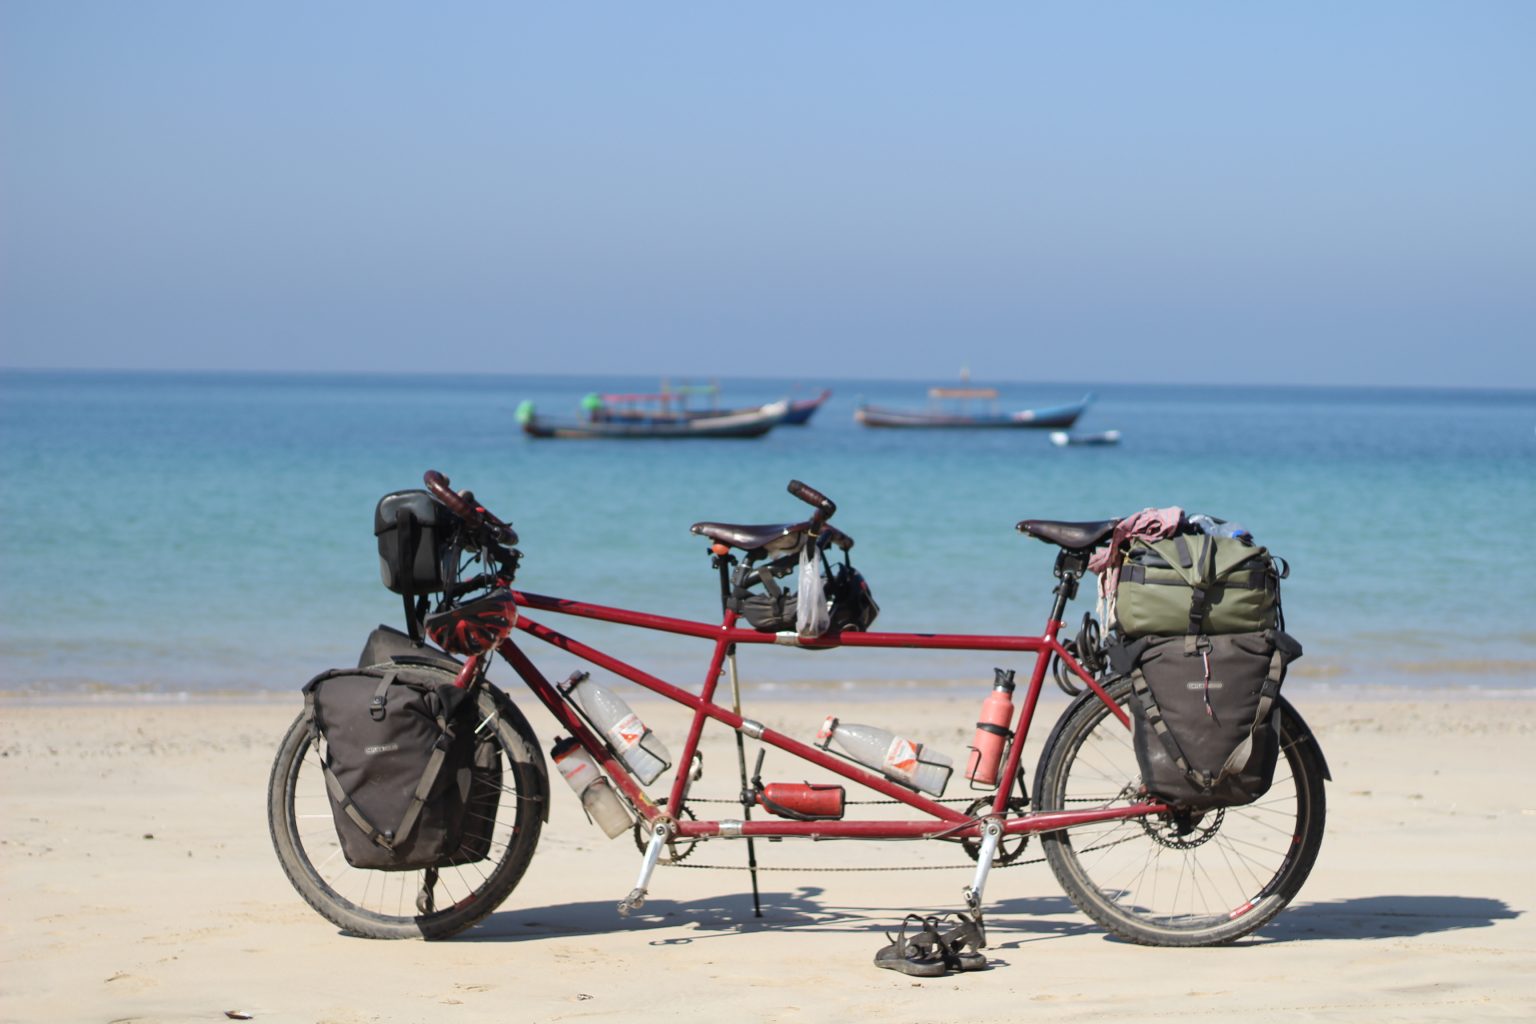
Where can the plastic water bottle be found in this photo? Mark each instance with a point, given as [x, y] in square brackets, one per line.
[992, 730]
[598, 799]
[635, 745]
[897, 758]
[1213, 527]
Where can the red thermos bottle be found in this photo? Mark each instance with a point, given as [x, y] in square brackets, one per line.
[992, 730]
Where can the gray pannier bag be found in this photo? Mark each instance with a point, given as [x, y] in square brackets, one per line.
[1204, 731]
[1195, 583]
[399, 764]
[390, 646]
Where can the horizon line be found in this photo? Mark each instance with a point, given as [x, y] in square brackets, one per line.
[830, 379]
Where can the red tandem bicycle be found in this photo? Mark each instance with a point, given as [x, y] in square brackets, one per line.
[1146, 871]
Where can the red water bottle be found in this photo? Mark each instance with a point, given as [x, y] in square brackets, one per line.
[992, 730]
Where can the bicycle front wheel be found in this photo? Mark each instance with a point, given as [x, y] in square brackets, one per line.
[1176, 879]
[392, 904]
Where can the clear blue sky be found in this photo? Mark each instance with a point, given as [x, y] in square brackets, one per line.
[1301, 192]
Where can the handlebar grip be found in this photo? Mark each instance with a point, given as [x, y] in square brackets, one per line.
[438, 484]
[835, 536]
[811, 496]
[468, 509]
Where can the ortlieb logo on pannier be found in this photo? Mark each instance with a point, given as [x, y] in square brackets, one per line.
[408, 780]
[1194, 583]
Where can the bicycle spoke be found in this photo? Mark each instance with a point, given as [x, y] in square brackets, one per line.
[1179, 877]
[385, 903]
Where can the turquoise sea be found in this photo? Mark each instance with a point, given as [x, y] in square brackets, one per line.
[197, 533]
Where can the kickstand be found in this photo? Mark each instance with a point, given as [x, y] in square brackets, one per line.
[741, 761]
[426, 903]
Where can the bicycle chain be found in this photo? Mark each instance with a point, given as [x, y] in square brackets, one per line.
[832, 871]
[918, 867]
[828, 870]
[846, 803]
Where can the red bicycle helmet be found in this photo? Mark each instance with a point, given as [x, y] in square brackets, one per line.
[476, 626]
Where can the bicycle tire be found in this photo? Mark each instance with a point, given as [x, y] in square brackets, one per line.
[1202, 880]
[383, 904]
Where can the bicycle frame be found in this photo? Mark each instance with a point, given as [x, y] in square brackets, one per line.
[1147, 869]
[940, 821]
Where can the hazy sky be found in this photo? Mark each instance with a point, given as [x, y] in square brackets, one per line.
[1301, 192]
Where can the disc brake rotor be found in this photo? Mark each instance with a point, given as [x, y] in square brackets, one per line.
[1184, 830]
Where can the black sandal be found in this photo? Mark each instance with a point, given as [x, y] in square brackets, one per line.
[921, 957]
[968, 933]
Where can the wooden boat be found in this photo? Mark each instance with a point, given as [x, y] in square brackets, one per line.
[802, 409]
[673, 402]
[661, 425]
[959, 414]
[1062, 438]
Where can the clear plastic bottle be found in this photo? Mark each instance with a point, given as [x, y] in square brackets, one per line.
[637, 746]
[897, 758]
[992, 730]
[598, 799]
[1213, 527]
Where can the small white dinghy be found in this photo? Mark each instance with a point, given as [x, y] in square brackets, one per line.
[1062, 438]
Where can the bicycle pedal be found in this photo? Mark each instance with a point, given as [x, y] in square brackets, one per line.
[634, 901]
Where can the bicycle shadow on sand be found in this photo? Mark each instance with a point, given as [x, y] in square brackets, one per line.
[1010, 923]
[1384, 917]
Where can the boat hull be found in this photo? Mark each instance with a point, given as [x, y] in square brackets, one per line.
[800, 412]
[755, 423]
[1058, 417]
[1063, 439]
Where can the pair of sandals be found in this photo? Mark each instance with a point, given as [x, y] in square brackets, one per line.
[929, 953]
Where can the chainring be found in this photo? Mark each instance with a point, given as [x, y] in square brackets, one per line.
[674, 852]
[1009, 848]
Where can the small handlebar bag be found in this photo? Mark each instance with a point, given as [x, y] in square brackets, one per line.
[416, 542]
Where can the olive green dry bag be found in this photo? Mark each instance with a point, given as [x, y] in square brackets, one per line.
[1197, 584]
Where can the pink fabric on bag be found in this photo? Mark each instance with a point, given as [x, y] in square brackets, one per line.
[1148, 524]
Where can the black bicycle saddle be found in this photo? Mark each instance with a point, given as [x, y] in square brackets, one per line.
[1072, 536]
[770, 538]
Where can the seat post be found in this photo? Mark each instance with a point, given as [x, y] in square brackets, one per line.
[1070, 566]
[723, 560]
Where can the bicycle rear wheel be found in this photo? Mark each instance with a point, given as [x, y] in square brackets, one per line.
[385, 904]
[1189, 879]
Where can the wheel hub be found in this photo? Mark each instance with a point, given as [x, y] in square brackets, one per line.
[1184, 830]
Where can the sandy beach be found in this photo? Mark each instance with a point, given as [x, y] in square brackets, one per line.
[140, 885]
